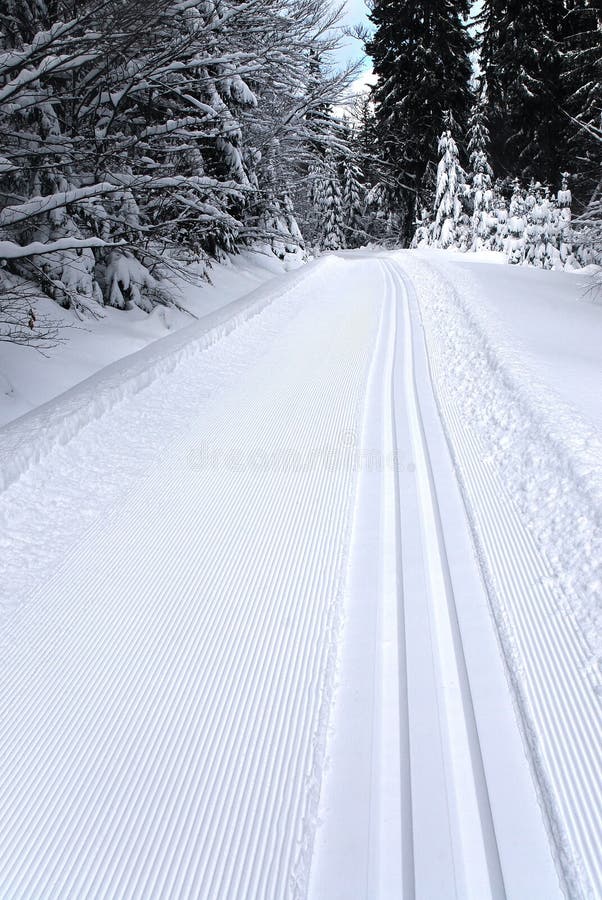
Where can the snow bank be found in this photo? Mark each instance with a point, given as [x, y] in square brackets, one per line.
[92, 341]
[25, 441]
[546, 453]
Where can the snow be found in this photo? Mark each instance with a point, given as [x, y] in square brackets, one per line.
[553, 326]
[524, 351]
[420, 721]
[302, 597]
[529, 466]
[249, 638]
[10, 250]
[28, 379]
[13, 215]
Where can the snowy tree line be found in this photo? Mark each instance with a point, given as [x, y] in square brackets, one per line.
[529, 224]
[137, 134]
[462, 108]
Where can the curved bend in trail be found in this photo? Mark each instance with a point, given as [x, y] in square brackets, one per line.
[266, 664]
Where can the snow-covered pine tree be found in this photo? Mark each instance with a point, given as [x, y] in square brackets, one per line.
[553, 237]
[564, 201]
[331, 204]
[352, 204]
[420, 54]
[448, 204]
[423, 232]
[515, 248]
[478, 140]
[480, 173]
[498, 240]
[535, 237]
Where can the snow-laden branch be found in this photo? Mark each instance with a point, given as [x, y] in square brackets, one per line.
[10, 250]
[49, 65]
[18, 59]
[12, 215]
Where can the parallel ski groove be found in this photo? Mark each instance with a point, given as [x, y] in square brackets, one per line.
[390, 860]
[475, 870]
[443, 824]
[557, 700]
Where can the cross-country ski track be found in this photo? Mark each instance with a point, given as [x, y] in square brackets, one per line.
[280, 629]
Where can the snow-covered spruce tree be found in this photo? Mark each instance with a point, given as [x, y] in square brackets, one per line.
[480, 173]
[535, 231]
[420, 54]
[515, 248]
[424, 228]
[521, 59]
[448, 203]
[498, 236]
[478, 139]
[352, 204]
[331, 204]
[564, 202]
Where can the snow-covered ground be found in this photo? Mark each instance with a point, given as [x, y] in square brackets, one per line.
[304, 599]
[28, 379]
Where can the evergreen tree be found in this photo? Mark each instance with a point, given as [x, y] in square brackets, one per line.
[521, 59]
[448, 204]
[421, 57]
[478, 140]
[332, 231]
[352, 203]
[516, 225]
[582, 82]
[480, 173]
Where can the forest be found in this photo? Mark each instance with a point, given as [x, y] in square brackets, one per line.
[138, 135]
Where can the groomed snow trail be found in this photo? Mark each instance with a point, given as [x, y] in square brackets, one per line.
[162, 720]
[267, 665]
[443, 803]
[557, 688]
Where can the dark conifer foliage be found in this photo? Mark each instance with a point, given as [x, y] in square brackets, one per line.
[521, 59]
[421, 54]
[582, 85]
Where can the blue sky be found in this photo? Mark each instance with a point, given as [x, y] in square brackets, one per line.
[356, 13]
